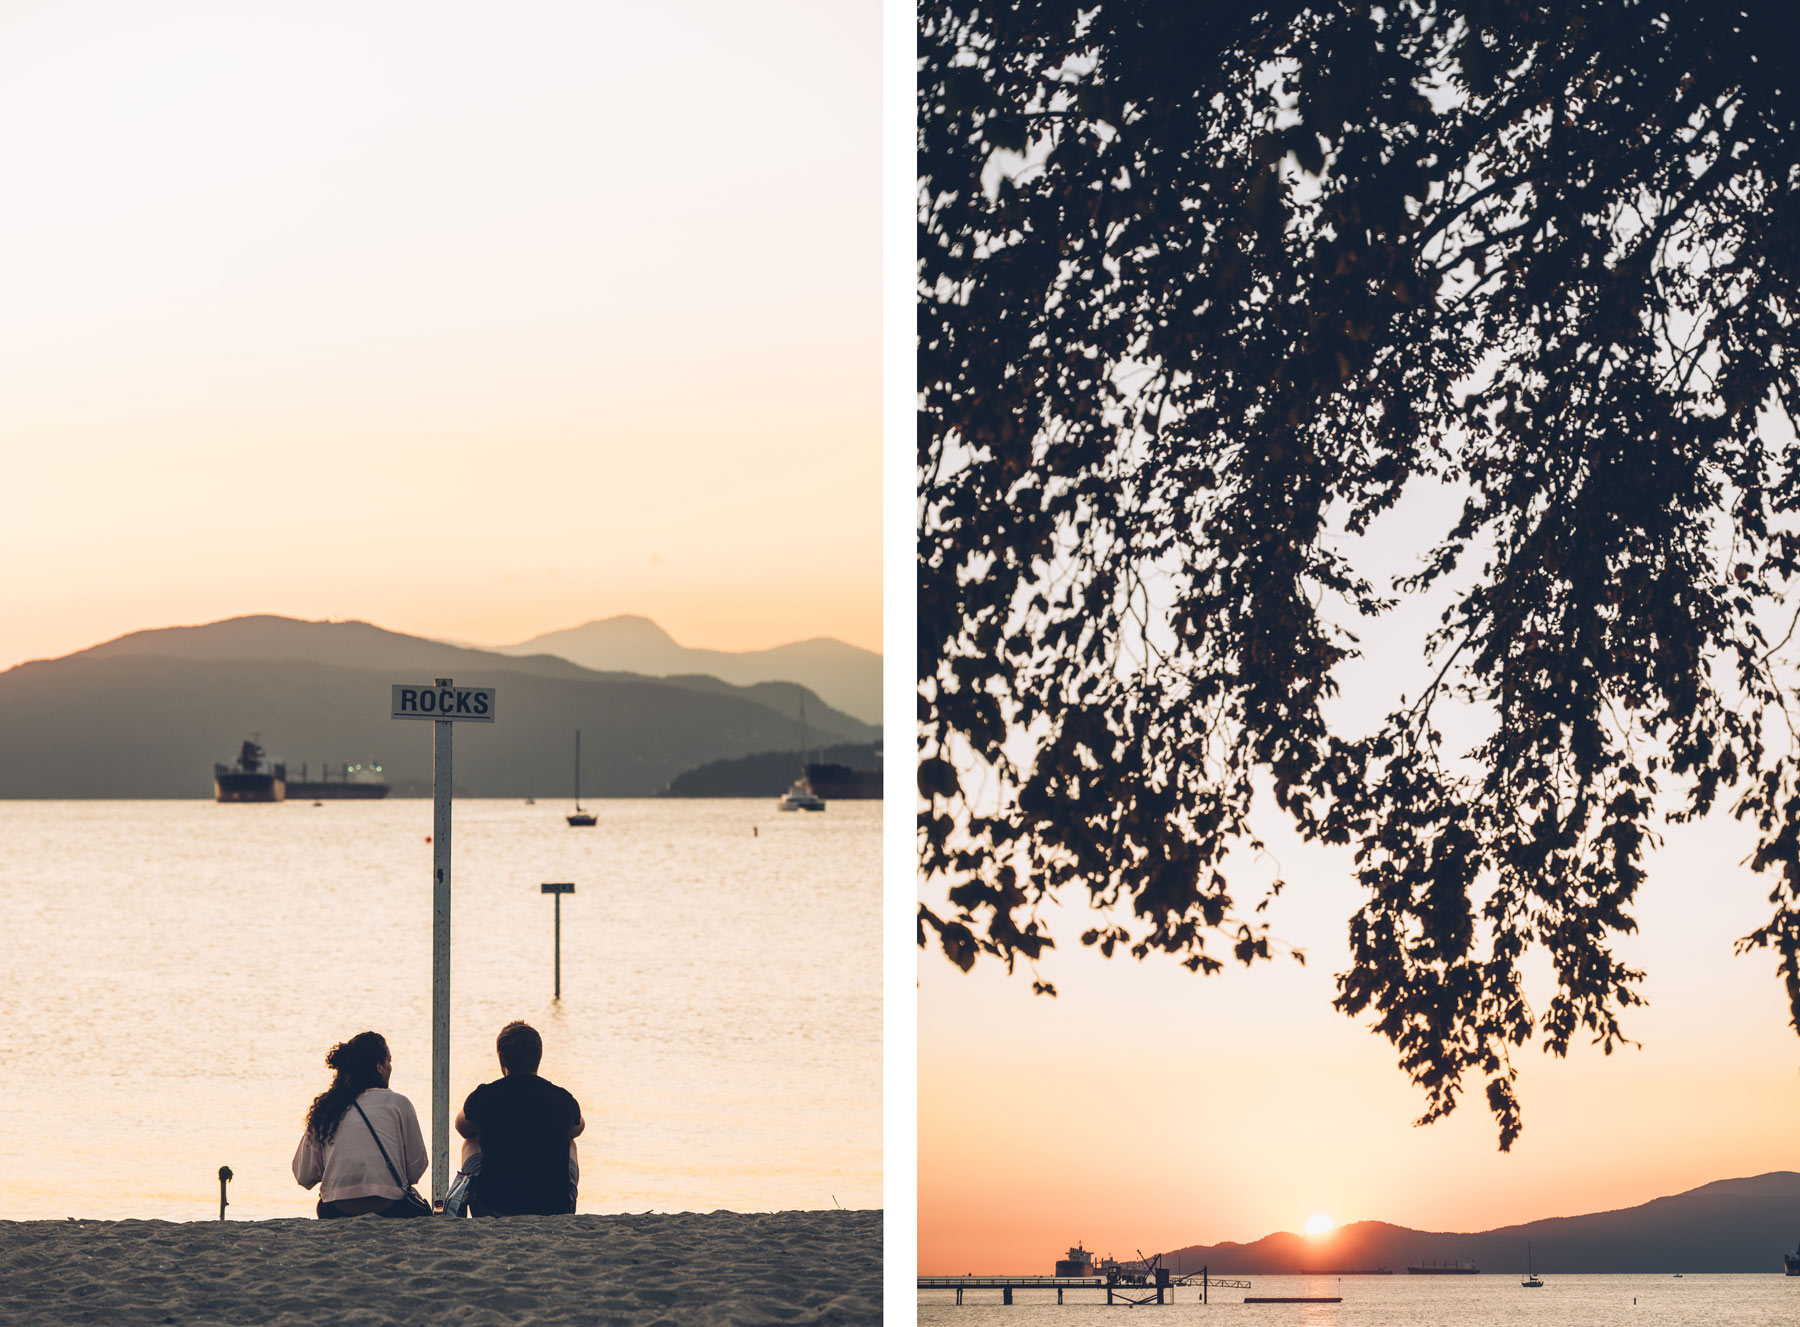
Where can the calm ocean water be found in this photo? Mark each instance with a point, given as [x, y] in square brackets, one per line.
[1414, 1301]
[175, 971]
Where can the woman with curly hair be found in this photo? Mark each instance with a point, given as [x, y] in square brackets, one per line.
[361, 1138]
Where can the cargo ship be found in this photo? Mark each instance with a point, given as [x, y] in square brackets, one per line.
[353, 783]
[1445, 1269]
[252, 779]
[1079, 1263]
[1793, 1262]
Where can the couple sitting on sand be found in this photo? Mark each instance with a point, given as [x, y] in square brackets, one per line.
[363, 1146]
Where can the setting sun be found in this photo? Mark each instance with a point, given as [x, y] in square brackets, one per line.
[1318, 1224]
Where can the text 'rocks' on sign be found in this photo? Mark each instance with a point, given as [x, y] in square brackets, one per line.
[459, 704]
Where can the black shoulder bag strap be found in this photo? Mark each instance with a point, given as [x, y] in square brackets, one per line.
[404, 1186]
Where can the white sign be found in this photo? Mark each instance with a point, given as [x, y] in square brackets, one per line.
[458, 704]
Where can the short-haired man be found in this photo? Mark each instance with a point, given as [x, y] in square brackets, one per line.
[521, 1130]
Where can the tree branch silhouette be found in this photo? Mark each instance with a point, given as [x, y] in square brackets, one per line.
[1541, 258]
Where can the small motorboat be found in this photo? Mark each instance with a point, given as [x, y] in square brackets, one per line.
[800, 798]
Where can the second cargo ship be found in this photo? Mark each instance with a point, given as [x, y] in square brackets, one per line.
[352, 782]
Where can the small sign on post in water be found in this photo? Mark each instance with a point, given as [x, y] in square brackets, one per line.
[558, 889]
[445, 704]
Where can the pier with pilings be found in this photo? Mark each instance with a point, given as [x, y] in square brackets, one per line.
[1158, 1288]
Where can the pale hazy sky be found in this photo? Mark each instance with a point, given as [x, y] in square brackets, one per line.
[470, 319]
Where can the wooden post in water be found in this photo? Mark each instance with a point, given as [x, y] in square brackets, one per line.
[1006, 1294]
[558, 890]
[224, 1179]
[1203, 1286]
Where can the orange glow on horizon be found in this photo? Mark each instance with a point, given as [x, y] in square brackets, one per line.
[1279, 1095]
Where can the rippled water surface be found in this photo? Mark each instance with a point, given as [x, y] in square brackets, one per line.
[175, 971]
[1413, 1301]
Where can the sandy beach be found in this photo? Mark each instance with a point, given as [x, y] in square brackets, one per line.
[722, 1267]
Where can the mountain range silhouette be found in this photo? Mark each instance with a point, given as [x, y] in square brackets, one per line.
[845, 676]
[1737, 1225]
[147, 714]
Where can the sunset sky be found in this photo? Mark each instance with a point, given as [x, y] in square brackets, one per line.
[475, 320]
[1146, 1107]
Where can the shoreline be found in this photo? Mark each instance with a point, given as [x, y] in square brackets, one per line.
[721, 1267]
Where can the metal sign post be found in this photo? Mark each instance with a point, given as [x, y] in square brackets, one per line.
[443, 705]
[558, 890]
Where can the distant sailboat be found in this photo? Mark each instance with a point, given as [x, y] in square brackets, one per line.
[581, 819]
[801, 797]
[1531, 1281]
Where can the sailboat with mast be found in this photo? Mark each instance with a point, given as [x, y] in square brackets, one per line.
[801, 797]
[1531, 1281]
[581, 819]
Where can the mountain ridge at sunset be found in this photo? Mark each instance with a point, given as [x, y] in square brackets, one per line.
[1734, 1225]
[846, 676]
[148, 714]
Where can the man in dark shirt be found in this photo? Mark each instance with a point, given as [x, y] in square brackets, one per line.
[521, 1130]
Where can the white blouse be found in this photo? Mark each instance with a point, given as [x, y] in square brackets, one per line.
[350, 1165]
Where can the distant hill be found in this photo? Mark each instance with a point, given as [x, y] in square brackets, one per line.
[765, 774]
[147, 715]
[843, 675]
[1741, 1225]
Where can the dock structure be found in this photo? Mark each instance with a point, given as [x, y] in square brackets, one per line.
[1159, 1290]
[1007, 1284]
